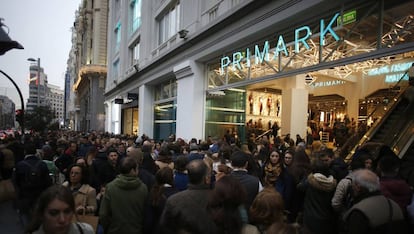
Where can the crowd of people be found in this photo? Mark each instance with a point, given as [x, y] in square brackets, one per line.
[136, 185]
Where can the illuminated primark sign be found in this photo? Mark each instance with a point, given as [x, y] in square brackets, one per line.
[393, 72]
[328, 83]
[302, 34]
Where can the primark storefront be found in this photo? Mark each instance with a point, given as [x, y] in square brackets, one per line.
[320, 64]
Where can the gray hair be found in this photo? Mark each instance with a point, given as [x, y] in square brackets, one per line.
[366, 179]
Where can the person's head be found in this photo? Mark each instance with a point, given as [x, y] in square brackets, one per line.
[54, 210]
[364, 181]
[389, 166]
[121, 148]
[112, 156]
[224, 202]
[164, 175]
[239, 159]
[92, 151]
[274, 157]
[319, 166]
[29, 148]
[326, 156]
[164, 155]
[81, 161]
[288, 159]
[135, 153]
[47, 152]
[73, 146]
[181, 163]
[361, 159]
[198, 172]
[267, 208]
[78, 174]
[147, 147]
[128, 166]
[368, 163]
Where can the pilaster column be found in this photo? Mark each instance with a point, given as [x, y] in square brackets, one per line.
[294, 107]
[145, 111]
[190, 100]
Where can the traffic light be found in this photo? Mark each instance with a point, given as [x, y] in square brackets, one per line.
[20, 116]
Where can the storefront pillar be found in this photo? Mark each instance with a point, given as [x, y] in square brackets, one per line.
[294, 107]
[107, 116]
[146, 111]
[190, 100]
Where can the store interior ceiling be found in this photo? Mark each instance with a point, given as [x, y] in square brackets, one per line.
[360, 37]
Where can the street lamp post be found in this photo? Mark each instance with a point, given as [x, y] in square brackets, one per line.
[38, 78]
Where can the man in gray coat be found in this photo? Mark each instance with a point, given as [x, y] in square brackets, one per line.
[123, 205]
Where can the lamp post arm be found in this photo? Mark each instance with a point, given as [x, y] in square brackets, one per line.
[20, 94]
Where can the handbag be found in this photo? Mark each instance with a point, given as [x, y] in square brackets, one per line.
[89, 219]
[7, 190]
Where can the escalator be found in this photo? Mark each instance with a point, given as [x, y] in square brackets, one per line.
[395, 129]
[391, 123]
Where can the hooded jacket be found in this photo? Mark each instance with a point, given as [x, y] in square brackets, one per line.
[123, 205]
[319, 216]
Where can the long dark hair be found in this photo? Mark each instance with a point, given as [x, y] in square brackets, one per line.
[224, 202]
[163, 176]
[59, 192]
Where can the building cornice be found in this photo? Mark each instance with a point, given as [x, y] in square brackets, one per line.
[87, 71]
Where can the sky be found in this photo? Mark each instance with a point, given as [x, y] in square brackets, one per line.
[43, 28]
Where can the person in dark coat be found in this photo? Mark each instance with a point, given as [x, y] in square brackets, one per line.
[392, 185]
[186, 211]
[180, 173]
[148, 161]
[318, 214]
[31, 178]
[252, 184]
[158, 195]
[109, 170]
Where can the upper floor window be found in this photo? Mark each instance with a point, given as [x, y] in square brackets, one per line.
[134, 50]
[135, 12]
[169, 23]
[117, 36]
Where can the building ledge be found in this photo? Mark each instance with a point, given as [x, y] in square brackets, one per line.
[89, 70]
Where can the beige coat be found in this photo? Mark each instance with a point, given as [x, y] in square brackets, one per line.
[86, 196]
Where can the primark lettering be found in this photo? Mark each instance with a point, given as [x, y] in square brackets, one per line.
[302, 34]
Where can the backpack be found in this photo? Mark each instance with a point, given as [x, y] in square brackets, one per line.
[33, 178]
